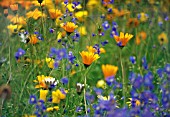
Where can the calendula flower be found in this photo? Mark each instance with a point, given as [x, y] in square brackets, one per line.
[109, 70]
[122, 39]
[45, 82]
[50, 62]
[14, 28]
[162, 38]
[81, 15]
[43, 94]
[33, 39]
[140, 36]
[54, 13]
[35, 14]
[132, 22]
[88, 57]
[18, 20]
[57, 96]
[82, 30]
[69, 26]
[14, 7]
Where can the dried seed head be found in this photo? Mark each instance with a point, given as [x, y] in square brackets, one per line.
[5, 91]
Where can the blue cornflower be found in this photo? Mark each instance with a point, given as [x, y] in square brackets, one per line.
[61, 53]
[19, 53]
[56, 63]
[64, 80]
[98, 91]
[113, 32]
[51, 30]
[132, 59]
[160, 72]
[167, 69]
[109, 10]
[71, 57]
[33, 99]
[110, 80]
[144, 63]
[106, 25]
[76, 36]
[104, 42]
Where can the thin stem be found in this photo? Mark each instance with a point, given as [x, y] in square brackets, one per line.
[123, 80]
[85, 104]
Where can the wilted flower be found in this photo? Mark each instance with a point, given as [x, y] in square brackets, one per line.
[5, 92]
[79, 88]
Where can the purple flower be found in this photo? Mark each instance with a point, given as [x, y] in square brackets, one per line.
[132, 59]
[19, 53]
[64, 80]
[71, 57]
[32, 99]
[106, 25]
[144, 63]
[61, 53]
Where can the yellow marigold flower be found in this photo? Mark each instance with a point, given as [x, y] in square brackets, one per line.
[109, 70]
[68, 27]
[14, 28]
[57, 96]
[48, 3]
[33, 39]
[88, 57]
[101, 84]
[122, 39]
[91, 49]
[43, 94]
[50, 62]
[143, 17]
[102, 50]
[35, 14]
[71, 7]
[162, 38]
[18, 20]
[82, 30]
[81, 15]
[54, 13]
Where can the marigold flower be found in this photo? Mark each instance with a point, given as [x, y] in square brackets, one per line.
[18, 20]
[35, 14]
[81, 15]
[57, 96]
[132, 22]
[33, 39]
[140, 36]
[68, 27]
[54, 13]
[109, 70]
[88, 57]
[14, 7]
[82, 30]
[50, 62]
[43, 94]
[162, 38]
[122, 39]
[14, 28]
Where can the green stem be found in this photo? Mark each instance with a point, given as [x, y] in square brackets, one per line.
[123, 80]
[85, 104]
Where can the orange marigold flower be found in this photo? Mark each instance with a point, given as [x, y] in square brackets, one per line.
[54, 13]
[88, 57]
[35, 14]
[132, 22]
[140, 36]
[33, 39]
[122, 39]
[109, 70]
[68, 27]
[14, 7]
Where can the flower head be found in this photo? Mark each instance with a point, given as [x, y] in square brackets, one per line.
[162, 38]
[43, 94]
[54, 13]
[122, 39]
[69, 26]
[109, 70]
[88, 57]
